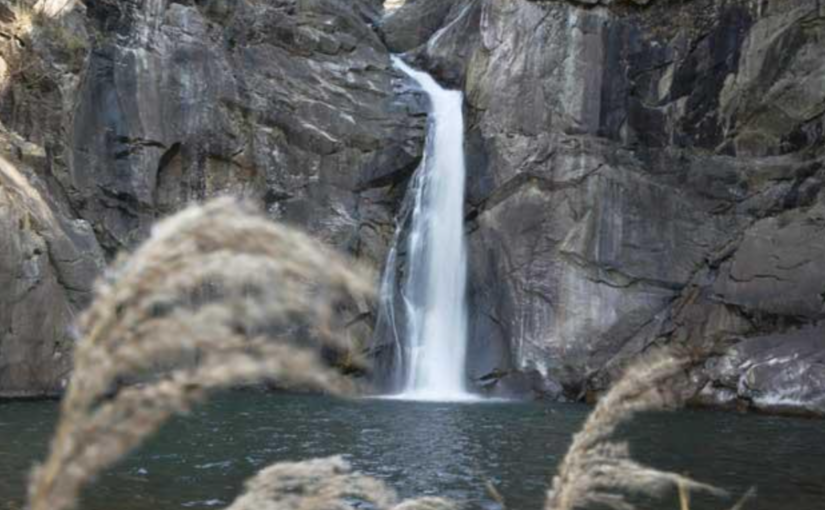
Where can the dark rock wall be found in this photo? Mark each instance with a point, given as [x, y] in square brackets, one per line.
[291, 103]
[639, 176]
[48, 261]
[288, 102]
[49, 256]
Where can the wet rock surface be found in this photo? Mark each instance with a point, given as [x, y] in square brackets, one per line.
[779, 373]
[642, 176]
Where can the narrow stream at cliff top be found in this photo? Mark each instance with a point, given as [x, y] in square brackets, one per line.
[430, 342]
[448, 449]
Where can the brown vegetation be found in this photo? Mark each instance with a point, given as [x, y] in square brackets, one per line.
[598, 470]
[37, 40]
[216, 284]
[223, 297]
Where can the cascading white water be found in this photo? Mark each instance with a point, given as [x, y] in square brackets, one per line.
[435, 334]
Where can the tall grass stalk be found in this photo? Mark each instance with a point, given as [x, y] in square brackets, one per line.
[598, 470]
[217, 292]
[323, 484]
[220, 296]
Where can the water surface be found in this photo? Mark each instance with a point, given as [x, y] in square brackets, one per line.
[423, 449]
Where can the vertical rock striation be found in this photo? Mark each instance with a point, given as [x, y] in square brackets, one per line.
[640, 175]
[47, 264]
[290, 103]
[141, 106]
[639, 172]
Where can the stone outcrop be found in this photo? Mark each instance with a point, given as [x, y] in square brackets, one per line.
[413, 24]
[640, 176]
[779, 373]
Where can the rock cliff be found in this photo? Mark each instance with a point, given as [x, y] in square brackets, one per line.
[640, 172]
[640, 175]
[48, 261]
[141, 106]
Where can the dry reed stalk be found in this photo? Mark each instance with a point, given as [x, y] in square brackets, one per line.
[599, 471]
[744, 499]
[222, 283]
[428, 503]
[218, 283]
[323, 484]
[320, 484]
[684, 497]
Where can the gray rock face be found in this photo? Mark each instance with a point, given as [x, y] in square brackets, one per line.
[640, 176]
[778, 268]
[47, 265]
[291, 103]
[413, 24]
[640, 173]
[776, 373]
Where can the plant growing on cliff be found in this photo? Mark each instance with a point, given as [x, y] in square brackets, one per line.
[68, 45]
[39, 39]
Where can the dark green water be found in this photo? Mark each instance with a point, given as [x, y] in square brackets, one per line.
[445, 449]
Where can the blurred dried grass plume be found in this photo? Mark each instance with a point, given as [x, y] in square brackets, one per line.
[600, 471]
[323, 484]
[221, 296]
[218, 294]
[391, 5]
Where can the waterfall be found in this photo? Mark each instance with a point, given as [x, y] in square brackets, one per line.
[431, 342]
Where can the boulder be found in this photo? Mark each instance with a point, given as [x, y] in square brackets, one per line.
[778, 373]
